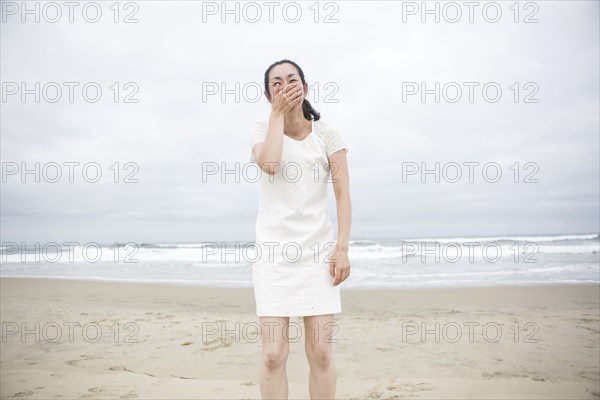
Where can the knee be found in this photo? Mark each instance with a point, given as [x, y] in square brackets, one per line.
[320, 356]
[274, 358]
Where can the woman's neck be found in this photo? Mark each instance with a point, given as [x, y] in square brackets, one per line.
[295, 125]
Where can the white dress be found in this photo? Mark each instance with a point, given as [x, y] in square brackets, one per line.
[294, 234]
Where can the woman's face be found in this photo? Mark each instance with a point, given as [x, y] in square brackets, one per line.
[282, 75]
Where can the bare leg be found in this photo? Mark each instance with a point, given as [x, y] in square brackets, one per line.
[320, 331]
[273, 381]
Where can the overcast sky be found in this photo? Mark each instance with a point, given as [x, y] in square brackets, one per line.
[359, 69]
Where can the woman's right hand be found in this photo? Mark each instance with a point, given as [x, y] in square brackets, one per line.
[285, 99]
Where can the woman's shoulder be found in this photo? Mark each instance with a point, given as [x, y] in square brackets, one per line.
[331, 138]
[326, 130]
[323, 128]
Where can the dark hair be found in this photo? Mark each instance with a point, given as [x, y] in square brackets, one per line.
[309, 112]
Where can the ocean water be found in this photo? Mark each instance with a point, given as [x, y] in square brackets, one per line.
[401, 263]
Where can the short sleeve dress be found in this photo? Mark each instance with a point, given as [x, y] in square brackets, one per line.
[294, 234]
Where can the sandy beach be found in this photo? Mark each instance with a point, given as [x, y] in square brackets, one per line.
[103, 340]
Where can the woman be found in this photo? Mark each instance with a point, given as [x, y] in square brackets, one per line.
[299, 265]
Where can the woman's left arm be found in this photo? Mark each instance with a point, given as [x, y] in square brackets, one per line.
[339, 266]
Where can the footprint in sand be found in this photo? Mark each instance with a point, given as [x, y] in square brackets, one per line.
[419, 387]
[218, 346]
[396, 391]
[129, 395]
[84, 357]
[499, 374]
[595, 394]
[541, 378]
[589, 376]
[22, 395]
